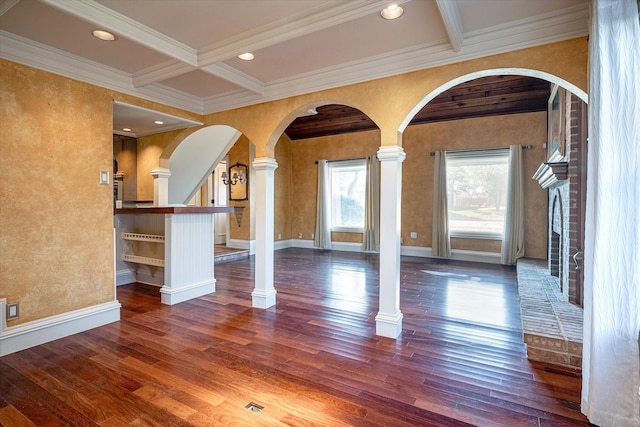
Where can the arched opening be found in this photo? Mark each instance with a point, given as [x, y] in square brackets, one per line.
[507, 113]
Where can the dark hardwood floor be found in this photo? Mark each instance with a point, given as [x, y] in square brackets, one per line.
[313, 360]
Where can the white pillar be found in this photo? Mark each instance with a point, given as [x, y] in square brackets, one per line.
[264, 294]
[160, 186]
[389, 318]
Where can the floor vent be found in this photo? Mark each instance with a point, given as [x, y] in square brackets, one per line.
[254, 407]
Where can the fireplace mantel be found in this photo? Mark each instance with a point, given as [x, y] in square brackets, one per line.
[553, 171]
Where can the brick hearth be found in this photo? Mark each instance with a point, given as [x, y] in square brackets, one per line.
[552, 326]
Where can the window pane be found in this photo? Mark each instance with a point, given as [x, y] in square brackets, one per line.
[347, 196]
[476, 193]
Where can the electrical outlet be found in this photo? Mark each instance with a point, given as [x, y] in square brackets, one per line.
[299, 235]
[279, 236]
[13, 311]
[313, 235]
[414, 235]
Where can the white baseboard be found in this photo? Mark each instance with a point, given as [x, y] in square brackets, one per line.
[456, 254]
[282, 244]
[36, 332]
[124, 277]
[171, 296]
[243, 244]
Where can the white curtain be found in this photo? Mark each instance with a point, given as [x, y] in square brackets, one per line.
[513, 238]
[371, 236]
[323, 227]
[611, 363]
[440, 242]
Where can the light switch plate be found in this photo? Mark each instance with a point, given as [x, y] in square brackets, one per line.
[104, 177]
[13, 311]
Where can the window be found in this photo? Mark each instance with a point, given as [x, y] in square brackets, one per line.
[348, 184]
[477, 193]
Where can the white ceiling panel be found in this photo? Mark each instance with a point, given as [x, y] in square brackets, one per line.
[356, 40]
[199, 83]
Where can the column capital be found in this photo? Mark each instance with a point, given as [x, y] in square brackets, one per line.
[264, 163]
[160, 172]
[389, 153]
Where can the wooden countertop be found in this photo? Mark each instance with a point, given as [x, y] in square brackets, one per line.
[173, 210]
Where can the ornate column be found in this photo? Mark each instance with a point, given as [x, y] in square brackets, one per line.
[389, 318]
[160, 186]
[264, 294]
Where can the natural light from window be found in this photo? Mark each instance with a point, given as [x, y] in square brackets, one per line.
[477, 193]
[348, 184]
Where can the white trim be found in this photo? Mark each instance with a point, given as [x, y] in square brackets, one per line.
[456, 254]
[124, 277]
[243, 244]
[451, 19]
[283, 244]
[389, 324]
[94, 12]
[171, 296]
[30, 334]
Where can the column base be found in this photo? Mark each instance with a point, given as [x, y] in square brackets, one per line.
[263, 299]
[389, 325]
[171, 296]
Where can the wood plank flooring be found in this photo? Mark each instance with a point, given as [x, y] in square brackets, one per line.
[313, 360]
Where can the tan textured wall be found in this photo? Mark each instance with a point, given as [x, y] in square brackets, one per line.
[149, 150]
[283, 208]
[499, 131]
[56, 221]
[126, 153]
[304, 175]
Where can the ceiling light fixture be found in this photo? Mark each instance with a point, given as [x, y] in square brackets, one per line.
[246, 56]
[126, 129]
[392, 11]
[103, 35]
[159, 122]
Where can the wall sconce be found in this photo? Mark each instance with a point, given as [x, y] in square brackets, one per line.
[237, 179]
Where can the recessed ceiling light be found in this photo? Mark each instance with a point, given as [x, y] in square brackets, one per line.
[159, 122]
[126, 129]
[103, 35]
[392, 11]
[246, 56]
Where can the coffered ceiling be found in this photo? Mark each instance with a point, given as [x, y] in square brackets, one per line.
[183, 53]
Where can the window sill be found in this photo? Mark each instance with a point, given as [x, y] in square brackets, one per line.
[483, 236]
[347, 230]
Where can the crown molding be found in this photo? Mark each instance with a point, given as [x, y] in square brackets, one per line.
[27, 52]
[89, 10]
[563, 25]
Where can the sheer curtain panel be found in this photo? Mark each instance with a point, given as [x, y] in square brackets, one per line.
[611, 364]
[513, 236]
[440, 242]
[371, 236]
[322, 238]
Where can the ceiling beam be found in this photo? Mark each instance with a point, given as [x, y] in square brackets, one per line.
[159, 72]
[235, 76]
[319, 18]
[451, 19]
[126, 27]
[5, 5]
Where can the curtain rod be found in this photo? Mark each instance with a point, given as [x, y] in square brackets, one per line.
[343, 160]
[524, 147]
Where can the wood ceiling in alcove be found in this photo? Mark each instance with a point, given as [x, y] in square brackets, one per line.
[485, 96]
